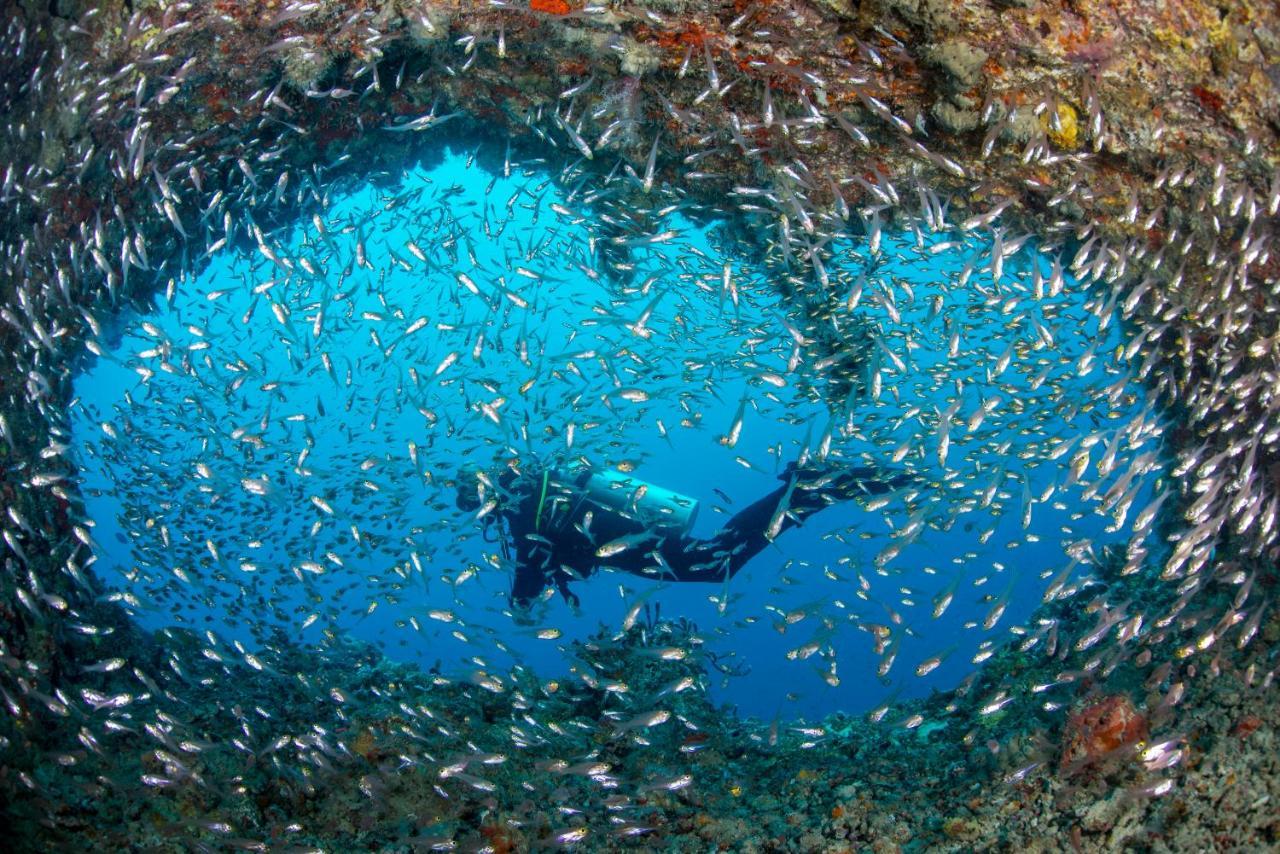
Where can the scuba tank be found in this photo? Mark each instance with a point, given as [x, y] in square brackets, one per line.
[658, 509]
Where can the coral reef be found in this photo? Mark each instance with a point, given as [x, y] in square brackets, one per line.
[1099, 730]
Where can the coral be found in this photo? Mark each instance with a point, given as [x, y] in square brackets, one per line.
[305, 66]
[638, 59]
[955, 119]
[499, 839]
[551, 7]
[1101, 728]
[961, 829]
[1064, 132]
[1117, 817]
[1209, 99]
[839, 8]
[960, 62]
[431, 24]
[1246, 726]
[52, 153]
[364, 745]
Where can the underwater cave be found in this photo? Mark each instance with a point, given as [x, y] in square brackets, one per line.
[320, 393]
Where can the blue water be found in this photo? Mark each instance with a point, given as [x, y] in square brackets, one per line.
[236, 381]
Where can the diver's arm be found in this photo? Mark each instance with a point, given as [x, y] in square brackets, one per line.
[534, 572]
[530, 561]
[562, 584]
[529, 582]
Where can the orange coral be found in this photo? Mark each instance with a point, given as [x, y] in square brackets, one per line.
[364, 745]
[1099, 729]
[1209, 99]
[695, 738]
[499, 838]
[551, 7]
[692, 35]
[1246, 726]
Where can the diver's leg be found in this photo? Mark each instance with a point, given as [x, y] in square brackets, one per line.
[720, 557]
[746, 534]
[843, 482]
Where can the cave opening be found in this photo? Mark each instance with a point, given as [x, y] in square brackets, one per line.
[269, 454]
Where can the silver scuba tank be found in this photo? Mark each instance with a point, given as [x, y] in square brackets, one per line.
[656, 507]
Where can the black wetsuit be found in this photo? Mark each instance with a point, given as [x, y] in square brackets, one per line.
[570, 538]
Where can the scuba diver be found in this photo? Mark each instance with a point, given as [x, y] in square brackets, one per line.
[567, 524]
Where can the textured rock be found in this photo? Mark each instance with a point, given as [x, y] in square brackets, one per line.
[959, 61]
[955, 119]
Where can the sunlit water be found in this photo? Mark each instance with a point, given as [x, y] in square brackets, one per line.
[272, 448]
